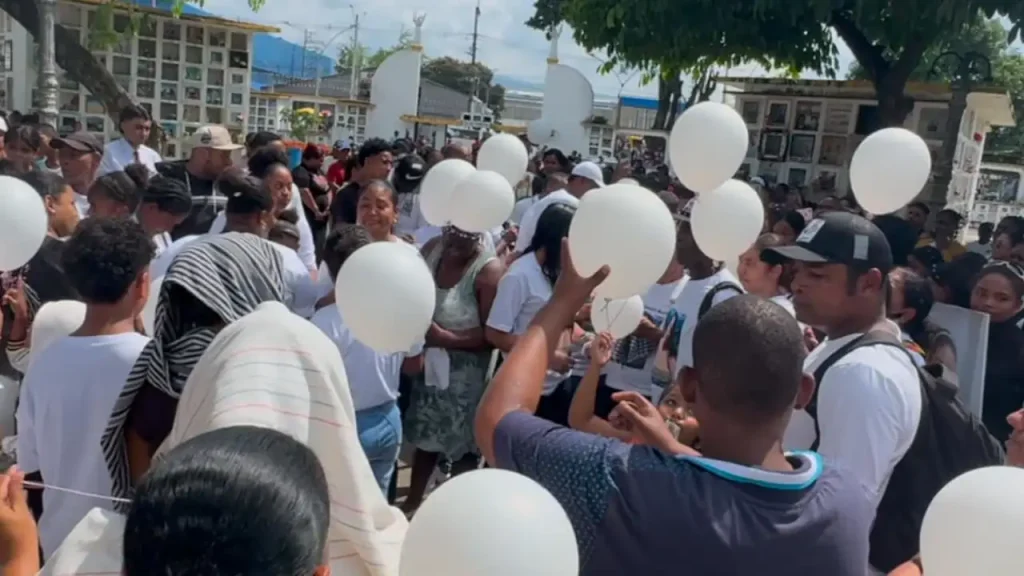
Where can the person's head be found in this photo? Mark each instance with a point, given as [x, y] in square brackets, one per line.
[952, 282]
[926, 261]
[552, 227]
[409, 172]
[117, 194]
[195, 511]
[48, 134]
[312, 157]
[840, 264]
[59, 199]
[270, 165]
[585, 177]
[165, 204]
[456, 151]
[135, 123]
[341, 243]
[432, 156]
[211, 151]
[553, 160]
[789, 226]
[999, 291]
[286, 230]
[262, 139]
[376, 209]
[688, 253]
[1014, 225]
[250, 206]
[23, 144]
[107, 261]
[1002, 245]
[459, 245]
[793, 199]
[901, 235]
[79, 154]
[985, 232]
[947, 224]
[673, 408]
[555, 181]
[341, 151]
[910, 299]
[374, 160]
[758, 394]
[761, 273]
[917, 215]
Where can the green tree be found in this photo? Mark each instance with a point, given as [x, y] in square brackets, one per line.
[888, 38]
[77, 60]
[468, 78]
[367, 58]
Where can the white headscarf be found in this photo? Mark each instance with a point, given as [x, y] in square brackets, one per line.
[271, 369]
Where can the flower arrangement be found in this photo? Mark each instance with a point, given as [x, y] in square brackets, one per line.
[304, 121]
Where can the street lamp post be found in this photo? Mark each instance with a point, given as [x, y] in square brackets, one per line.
[47, 81]
[971, 68]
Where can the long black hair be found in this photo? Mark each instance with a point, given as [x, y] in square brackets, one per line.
[552, 227]
[238, 500]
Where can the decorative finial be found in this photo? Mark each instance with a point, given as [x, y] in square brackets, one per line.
[417, 36]
[554, 32]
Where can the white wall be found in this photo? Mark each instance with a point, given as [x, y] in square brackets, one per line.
[568, 101]
[394, 94]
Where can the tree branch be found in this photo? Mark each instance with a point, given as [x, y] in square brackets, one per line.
[870, 57]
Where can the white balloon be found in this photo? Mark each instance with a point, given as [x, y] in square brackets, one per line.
[386, 294]
[627, 228]
[973, 525]
[707, 145]
[23, 223]
[490, 523]
[726, 221]
[889, 169]
[617, 317]
[504, 154]
[481, 202]
[540, 131]
[149, 310]
[630, 181]
[437, 187]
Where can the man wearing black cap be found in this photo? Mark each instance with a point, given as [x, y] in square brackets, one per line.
[409, 171]
[79, 154]
[868, 401]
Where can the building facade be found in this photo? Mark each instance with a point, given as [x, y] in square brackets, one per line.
[804, 132]
[1000, 193]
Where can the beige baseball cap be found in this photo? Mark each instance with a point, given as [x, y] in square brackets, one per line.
[214, 136]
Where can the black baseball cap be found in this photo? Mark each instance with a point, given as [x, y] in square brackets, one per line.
[838, 238]
[409, 173]
[79, 141]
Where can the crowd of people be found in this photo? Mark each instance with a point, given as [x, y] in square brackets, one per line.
[762, 419]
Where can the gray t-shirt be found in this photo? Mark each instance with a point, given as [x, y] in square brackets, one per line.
[636, 510]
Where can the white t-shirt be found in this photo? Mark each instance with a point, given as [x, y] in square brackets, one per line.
[82, 205]
[657, 302]
[528, 225]
[410, 217]
[786, 302]
[869, 405]
[307, 245]
[66, 399]
[687, 308]
[522, 292]
[372, 377]
[162, 261]
[521, 207]
[119, 153]
[160, 243]
[979, 248]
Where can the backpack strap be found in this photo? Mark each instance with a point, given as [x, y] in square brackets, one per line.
[709, 298]
[872, 338]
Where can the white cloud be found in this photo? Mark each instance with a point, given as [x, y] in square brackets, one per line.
[505, 43]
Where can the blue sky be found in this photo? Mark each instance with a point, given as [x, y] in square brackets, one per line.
[506, 44]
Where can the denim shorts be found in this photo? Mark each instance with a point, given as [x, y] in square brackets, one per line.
[380, 433]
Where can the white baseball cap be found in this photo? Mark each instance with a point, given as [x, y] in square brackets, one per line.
[590, 171]
[214, 136]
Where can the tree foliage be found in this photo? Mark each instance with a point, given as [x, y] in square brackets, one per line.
[368, 58]
[466, 77]
[888, 38]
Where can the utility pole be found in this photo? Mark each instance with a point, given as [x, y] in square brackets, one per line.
[48, 85]
[356, 62]
[305, 46]
[472, 56]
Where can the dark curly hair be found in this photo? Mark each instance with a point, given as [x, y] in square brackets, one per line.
[265, 159]
[105, 256]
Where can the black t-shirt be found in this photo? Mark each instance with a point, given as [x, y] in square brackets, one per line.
[345, 201]
[205, 205]
[303, 178]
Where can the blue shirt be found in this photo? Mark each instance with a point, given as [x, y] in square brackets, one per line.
[637, 510]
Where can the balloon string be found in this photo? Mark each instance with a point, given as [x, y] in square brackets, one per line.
[607, 316]
[41, 486]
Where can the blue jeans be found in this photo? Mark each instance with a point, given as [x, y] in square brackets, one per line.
[380, 433]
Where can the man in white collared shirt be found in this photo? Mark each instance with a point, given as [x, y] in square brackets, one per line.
[135, 124]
